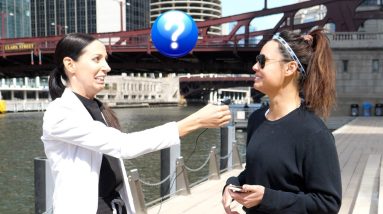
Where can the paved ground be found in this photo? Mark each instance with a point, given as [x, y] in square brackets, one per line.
[355, 142]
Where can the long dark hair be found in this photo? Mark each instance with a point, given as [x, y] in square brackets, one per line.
[318, 85]
[72, 45]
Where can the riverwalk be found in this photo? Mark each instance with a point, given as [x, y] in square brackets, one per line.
[360, 147]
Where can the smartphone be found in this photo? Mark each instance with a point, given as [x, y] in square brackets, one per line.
[235, 188]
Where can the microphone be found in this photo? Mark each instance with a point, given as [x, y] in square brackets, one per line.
[226, 101]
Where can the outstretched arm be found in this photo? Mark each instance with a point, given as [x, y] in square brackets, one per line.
[210, 116]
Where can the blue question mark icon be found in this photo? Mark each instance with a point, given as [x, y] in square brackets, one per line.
[174, 33]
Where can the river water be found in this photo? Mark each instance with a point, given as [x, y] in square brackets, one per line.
[20, 143]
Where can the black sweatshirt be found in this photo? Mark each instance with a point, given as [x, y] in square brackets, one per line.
[295, 159]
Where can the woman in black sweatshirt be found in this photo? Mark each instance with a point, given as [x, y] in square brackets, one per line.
[291, 160]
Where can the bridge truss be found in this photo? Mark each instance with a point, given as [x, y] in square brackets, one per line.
[133, 51]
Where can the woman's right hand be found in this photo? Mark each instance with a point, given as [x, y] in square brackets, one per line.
[213, 116]
[210, 116]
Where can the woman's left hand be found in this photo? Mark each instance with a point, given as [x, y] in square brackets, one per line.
[251, 196]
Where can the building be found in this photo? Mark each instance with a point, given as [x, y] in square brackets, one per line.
[15, 18]
[31, 94]
[136, 88]
[358, 58]
[137, 14]
[51, 17]
[201, 10]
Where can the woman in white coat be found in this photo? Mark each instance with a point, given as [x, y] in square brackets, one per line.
[82, 137]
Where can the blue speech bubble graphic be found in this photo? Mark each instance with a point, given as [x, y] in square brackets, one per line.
[174, 33]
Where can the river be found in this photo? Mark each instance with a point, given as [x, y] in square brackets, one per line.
[20, 143]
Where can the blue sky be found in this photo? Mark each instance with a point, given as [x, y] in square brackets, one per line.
[234, 7]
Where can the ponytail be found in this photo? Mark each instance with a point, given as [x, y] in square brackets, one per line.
[319, 85]
[56, 87]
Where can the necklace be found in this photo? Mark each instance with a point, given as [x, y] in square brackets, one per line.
[268, 110]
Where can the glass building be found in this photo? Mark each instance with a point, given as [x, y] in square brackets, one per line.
[15, 18]
[137, 14]
[57, 17]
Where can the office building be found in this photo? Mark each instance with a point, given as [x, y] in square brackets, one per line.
[53, 17]
[15, 18]
[137, 14]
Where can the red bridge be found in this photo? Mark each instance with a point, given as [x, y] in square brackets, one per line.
[233, 53]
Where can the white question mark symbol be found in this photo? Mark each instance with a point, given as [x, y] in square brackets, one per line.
[175, 19]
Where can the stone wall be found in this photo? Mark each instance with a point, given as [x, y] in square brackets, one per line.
[359, 82]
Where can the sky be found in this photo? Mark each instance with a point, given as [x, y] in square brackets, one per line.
[234, 7]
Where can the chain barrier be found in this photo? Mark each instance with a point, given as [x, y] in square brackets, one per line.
[154, 184]
[242, 154]
[227, 156]
[189, 169]
[199, 168]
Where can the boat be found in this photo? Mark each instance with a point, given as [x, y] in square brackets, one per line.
[3, 107]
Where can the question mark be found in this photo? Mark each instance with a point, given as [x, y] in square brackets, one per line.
[175, 19]
[174, 33]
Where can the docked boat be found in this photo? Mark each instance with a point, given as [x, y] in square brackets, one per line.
[3, 107]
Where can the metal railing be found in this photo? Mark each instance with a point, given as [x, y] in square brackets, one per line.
[182, 181]
[178, 176]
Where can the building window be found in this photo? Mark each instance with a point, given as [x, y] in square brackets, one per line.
[345, 65]
[375, 65]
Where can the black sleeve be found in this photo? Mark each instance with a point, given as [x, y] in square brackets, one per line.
[323, 189]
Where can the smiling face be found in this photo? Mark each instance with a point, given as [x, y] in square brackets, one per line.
[87, 74]
[271, 77]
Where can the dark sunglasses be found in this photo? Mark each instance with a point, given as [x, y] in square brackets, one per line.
[261, 59]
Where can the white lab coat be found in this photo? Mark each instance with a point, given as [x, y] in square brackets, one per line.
[74, 144]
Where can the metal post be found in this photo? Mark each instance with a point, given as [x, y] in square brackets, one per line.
[168, 167]
[43, 186]
[32, 60]
[121, 16]
[182, 181]
[213, 165]
[237, 163]
[136, 189]
[227, 138]
[40, 61]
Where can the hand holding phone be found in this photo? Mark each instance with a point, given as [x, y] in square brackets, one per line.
[235, 188]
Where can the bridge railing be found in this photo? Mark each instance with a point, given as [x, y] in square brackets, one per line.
[355, 39]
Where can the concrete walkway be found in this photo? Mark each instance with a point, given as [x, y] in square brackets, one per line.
[204, 198]
[355, 142]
